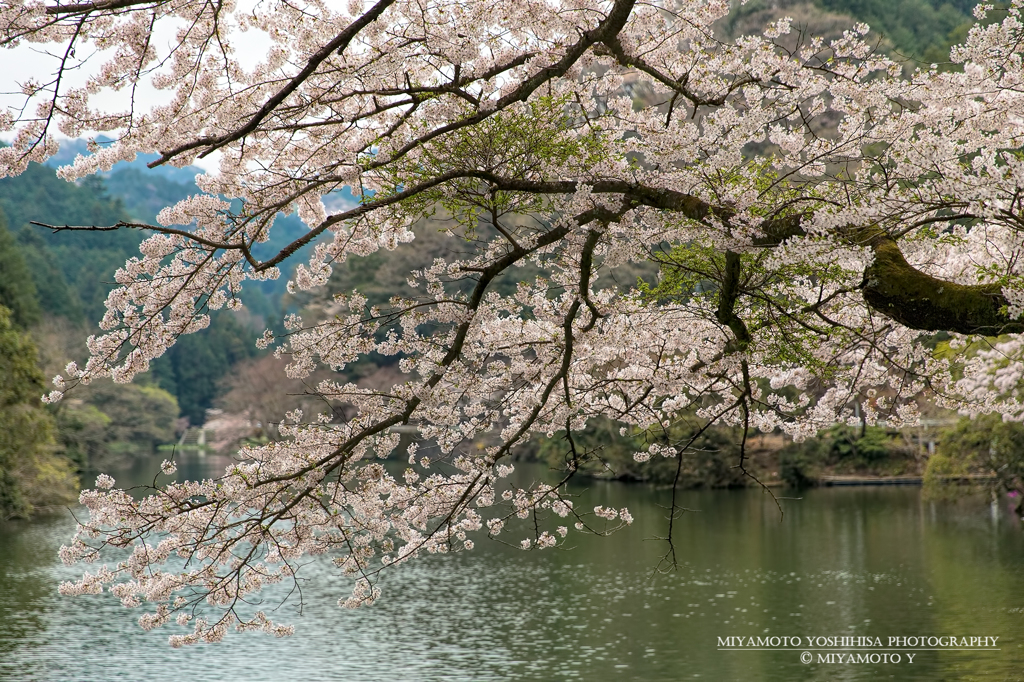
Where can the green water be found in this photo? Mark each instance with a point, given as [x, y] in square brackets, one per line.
[869, 562]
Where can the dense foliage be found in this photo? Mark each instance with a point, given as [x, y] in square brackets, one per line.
[985, 453]
[17, 288]
[920, 29]
[32, 474]
[710, 461]
[195, 369]
[846, 450]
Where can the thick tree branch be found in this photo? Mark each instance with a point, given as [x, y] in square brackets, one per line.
[892, 286]
[727, 297]
[917, 300]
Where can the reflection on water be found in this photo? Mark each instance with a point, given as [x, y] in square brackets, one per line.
[873, 562]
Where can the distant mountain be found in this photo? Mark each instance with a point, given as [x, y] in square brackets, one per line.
[142, 192]
[150, 189]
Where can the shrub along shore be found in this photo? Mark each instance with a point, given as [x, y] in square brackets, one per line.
[951, 457]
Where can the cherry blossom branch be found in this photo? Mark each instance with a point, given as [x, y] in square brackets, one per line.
[338, 45]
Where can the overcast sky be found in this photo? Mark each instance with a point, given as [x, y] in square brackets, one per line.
[40, 62]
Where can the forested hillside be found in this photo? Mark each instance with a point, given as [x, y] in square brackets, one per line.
[70, 273]
[920, 29]
[52, 289]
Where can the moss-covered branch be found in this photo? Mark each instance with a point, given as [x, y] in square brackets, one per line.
[917, 300]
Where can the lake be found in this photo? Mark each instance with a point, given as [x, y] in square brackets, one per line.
[875, 562]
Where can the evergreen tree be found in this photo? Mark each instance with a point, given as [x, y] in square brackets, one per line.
[32, 474]
[39, 195]
[193, 369]
[54, 295]
[17, 289]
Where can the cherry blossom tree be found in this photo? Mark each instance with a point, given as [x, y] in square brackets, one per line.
[823, 218]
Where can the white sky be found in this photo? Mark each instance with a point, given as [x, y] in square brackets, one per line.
[40, 62]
